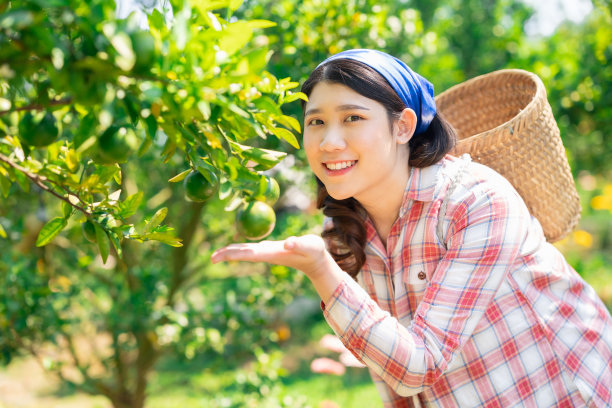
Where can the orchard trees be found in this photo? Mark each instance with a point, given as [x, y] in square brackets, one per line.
[104, 129]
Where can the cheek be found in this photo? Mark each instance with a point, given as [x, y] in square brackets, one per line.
[311, 147]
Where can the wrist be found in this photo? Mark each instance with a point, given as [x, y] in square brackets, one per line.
[326, 277]
[322, 266]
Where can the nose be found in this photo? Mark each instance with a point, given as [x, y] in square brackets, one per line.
[333, 140]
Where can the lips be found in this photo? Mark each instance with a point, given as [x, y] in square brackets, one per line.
[338, 168]
[340, 165]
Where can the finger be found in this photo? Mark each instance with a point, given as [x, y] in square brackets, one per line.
[349, 360]
[265, 251]
[326, 365]
[225, 253]
[333, 343]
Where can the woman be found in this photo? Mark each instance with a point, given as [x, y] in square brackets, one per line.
[431, 270]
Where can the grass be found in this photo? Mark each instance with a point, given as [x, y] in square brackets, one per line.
[204, 381]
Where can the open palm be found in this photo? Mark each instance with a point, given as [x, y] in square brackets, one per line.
[305, 253]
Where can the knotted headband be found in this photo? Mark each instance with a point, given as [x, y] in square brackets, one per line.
[415, 91]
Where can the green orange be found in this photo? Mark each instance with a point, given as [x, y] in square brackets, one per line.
[255, 220]
[199, 188]
[272, 193]
[89, 231]
[143, 44]
[115, 145]
[39, 129]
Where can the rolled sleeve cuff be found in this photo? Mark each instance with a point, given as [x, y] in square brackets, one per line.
[349, 307]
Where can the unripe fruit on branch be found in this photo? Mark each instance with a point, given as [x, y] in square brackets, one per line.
[255, 220]
[199, 188]
[38, 129]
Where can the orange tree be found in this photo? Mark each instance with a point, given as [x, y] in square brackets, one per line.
[116, 146]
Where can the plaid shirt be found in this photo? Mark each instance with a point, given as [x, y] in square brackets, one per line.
[494, 318]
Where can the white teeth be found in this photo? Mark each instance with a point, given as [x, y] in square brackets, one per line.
[340, 165]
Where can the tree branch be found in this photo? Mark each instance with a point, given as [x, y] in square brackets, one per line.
[179, 260]
[38, 106]
[40, 180]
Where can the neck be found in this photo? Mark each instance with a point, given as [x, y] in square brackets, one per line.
[383, 207]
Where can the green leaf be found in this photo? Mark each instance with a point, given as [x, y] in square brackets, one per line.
[114, 238]
[204, 6]
[103, 244]
[23, 181]
[72, 160]
[169, 150]
[295, 96]
[118, 176]
[266, 104]
[235, 37]
[225, 189]
[165, 238]
[287, 136]
[66, 210]
[290, 122]
[129, 206]
[151, 126]
[50, 230]
[123, 45]
[84, 140]
[266, 159]
[260, 24]
[156, 19]
[157, 219]
[258, 59]
[239, 111]
[144, 146]
[5, 185]
[235, 4]
[52, 152]
[130, 104]
[180, 177]
[2, 232]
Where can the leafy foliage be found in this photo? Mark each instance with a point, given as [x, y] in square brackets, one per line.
[196, 89]
[96, 117]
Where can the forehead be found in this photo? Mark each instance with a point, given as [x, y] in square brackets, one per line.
[329, 94]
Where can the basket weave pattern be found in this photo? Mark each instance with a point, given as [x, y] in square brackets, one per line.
[503, 120]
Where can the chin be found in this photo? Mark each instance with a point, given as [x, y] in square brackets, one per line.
[338, 195]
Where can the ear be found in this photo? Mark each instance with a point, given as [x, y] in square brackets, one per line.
[405, 126]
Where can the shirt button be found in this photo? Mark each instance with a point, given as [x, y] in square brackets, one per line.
[421, 275]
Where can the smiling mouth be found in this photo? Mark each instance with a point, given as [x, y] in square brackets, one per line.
[340, 165]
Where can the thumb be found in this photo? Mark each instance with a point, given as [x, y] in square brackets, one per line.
[305, 245]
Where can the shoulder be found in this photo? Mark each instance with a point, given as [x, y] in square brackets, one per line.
[465, 179]
[470, 193]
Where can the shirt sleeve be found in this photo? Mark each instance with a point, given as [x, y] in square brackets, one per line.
[484, 238]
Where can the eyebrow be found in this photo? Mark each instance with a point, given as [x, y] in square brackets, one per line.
[338, 109]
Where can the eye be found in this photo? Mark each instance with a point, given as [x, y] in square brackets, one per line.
[315, 122]
[353, 118]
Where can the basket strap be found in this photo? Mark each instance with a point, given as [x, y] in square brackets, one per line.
[465, 161]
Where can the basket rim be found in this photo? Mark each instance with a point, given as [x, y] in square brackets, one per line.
[539, 95]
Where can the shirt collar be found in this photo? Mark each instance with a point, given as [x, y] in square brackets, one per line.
[422, 185]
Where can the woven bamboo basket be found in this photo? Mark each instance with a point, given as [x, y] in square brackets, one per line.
[503, 120]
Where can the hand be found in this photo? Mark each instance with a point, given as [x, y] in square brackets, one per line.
[306, 253]
[326, 365]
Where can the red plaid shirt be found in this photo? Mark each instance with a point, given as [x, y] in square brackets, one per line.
[494, 318]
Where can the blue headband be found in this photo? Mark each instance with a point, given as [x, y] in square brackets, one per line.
[414, 90]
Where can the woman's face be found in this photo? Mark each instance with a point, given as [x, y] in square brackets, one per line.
[350, 146]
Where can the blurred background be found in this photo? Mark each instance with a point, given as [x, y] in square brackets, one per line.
[245, 335]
